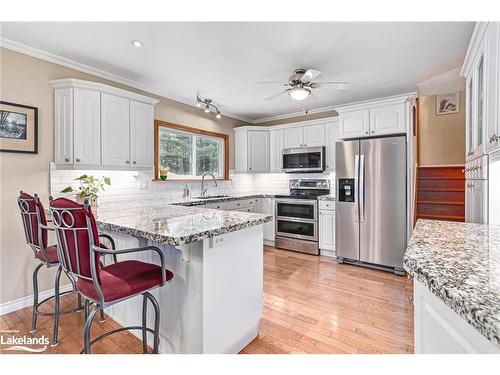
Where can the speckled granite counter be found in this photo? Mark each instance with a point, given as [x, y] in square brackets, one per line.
[460, 264]
[231, 197]
[328, 197]
[172, 224]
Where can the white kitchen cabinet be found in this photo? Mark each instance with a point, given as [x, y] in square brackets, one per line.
[258, 151]
[327, 231]
[63, 117]
[267, 207]
[101, 126]
[115, 120]
[87, 127]
[141, 134]
[389, 119]
[293, 137]
[276, 150]
[479, 199]
[314, 135]
[331, 132]
[354, 124]
[492, 47]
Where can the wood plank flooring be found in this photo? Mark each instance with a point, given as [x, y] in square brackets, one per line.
[311, 305]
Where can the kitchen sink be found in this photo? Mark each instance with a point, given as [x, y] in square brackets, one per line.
[211, 196]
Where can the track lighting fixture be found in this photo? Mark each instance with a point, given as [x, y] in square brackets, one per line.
[208, 106]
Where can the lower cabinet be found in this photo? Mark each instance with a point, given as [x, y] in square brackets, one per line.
[327, 231]
[439, 330]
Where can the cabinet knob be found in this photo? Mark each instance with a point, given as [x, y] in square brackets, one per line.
[366, 132]
[373, 131]
[128, 162]
[77, 160]
[133, 162]
[66, 160]
[494, 138]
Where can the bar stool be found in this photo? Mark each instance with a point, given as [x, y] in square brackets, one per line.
[78, 249]
[36, 232]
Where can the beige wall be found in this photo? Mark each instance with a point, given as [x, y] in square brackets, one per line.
[25, 80]
[312, 116]
[441, 137]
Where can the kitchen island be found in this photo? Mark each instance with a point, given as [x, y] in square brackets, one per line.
[214, 303]
[456, 271]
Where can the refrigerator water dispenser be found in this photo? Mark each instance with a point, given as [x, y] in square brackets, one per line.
[346, 189]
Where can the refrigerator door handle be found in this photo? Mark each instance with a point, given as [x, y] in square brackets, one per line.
[361, 189]
[356, 190]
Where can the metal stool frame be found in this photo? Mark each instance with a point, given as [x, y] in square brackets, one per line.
[64, 221]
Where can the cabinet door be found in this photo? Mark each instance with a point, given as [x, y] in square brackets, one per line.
[268, 209]
[492, 80]
[332, 132]
[327, 230]
[63, 118]
[141, 134]
[354, 124]
[388, 119]
[469, 121]
[258, 151]
[87, 127]
[240, 151]
[276, 150]
[115, 131]
[479, 202]
[293, 137]
[314, 135]
[480, 108]
[469, 203]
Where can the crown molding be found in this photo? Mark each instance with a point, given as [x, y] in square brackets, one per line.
[72, 64]
[402, 98]
[475, 41]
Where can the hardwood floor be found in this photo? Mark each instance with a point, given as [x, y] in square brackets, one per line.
[311, 305]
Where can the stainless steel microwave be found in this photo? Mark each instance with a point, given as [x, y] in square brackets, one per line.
[305, 159]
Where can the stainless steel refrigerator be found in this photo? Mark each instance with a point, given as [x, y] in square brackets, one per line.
[371, 202]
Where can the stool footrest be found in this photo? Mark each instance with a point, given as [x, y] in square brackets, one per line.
[43, 313]
[109, 333]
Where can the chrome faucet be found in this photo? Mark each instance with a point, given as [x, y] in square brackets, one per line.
[203, 188]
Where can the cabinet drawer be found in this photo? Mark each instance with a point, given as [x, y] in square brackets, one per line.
[246, 209]
[327, 205]
[217, 205]
[240, 203]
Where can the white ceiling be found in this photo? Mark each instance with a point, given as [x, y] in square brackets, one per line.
[225, 61]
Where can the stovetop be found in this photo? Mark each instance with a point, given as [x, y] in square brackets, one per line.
[307, 188]
[304, 194]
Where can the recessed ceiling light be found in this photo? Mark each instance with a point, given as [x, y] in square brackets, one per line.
[137, 43]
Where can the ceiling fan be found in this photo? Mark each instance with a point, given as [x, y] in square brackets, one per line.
[300, 84]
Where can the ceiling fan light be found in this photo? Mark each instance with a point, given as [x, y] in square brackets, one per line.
[299, 93]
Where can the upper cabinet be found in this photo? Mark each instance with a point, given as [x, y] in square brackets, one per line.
[101, 126]
[276, 148]
[304, 136]
[332, 136]
[252, 149]
[371, 119]
[481, 70]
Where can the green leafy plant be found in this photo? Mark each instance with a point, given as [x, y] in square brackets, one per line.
[89, 186]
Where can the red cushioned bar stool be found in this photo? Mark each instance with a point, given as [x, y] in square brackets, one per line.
[36, 232]
[79, 252]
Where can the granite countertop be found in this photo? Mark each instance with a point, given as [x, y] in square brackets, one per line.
[193, 201]
[327, 197]
[460, 264]
[172, 224]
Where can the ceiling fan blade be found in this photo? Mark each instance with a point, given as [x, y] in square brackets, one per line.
[331, 85]
[272, 83]
[276, 95]
[310, 75]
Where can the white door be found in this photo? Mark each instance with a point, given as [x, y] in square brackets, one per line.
[258, 151]
[469, 119]
[314, 135]
[479, 199]
[332, 132]
[327, 230]
[87, 127]
[276, 150]
[293, 137]
[141, 134]
[493, 87]
[64, 125]
[354, 124]
[388, 119]
[479, 103]
[115, 131]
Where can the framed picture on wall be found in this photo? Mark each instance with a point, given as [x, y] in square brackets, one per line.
[18, 128]
[447, 103]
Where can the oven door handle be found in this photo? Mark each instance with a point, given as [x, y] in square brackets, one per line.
[356, 188]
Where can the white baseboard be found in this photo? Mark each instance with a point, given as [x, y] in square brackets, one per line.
[268, 242]
[327, 253]
[27, 301]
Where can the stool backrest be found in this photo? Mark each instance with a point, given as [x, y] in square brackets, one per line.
[33, 217]
[76, 230]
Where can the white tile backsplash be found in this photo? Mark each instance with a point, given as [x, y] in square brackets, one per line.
[132, 185]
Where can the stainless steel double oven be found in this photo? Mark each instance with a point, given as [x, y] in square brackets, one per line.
[297, 216]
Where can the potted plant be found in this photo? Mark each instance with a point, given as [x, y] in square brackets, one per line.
[88, 189]
[164, 172]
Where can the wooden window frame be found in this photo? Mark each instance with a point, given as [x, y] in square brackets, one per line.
[170, 125]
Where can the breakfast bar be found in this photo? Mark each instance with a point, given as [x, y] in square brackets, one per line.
[214, 303]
